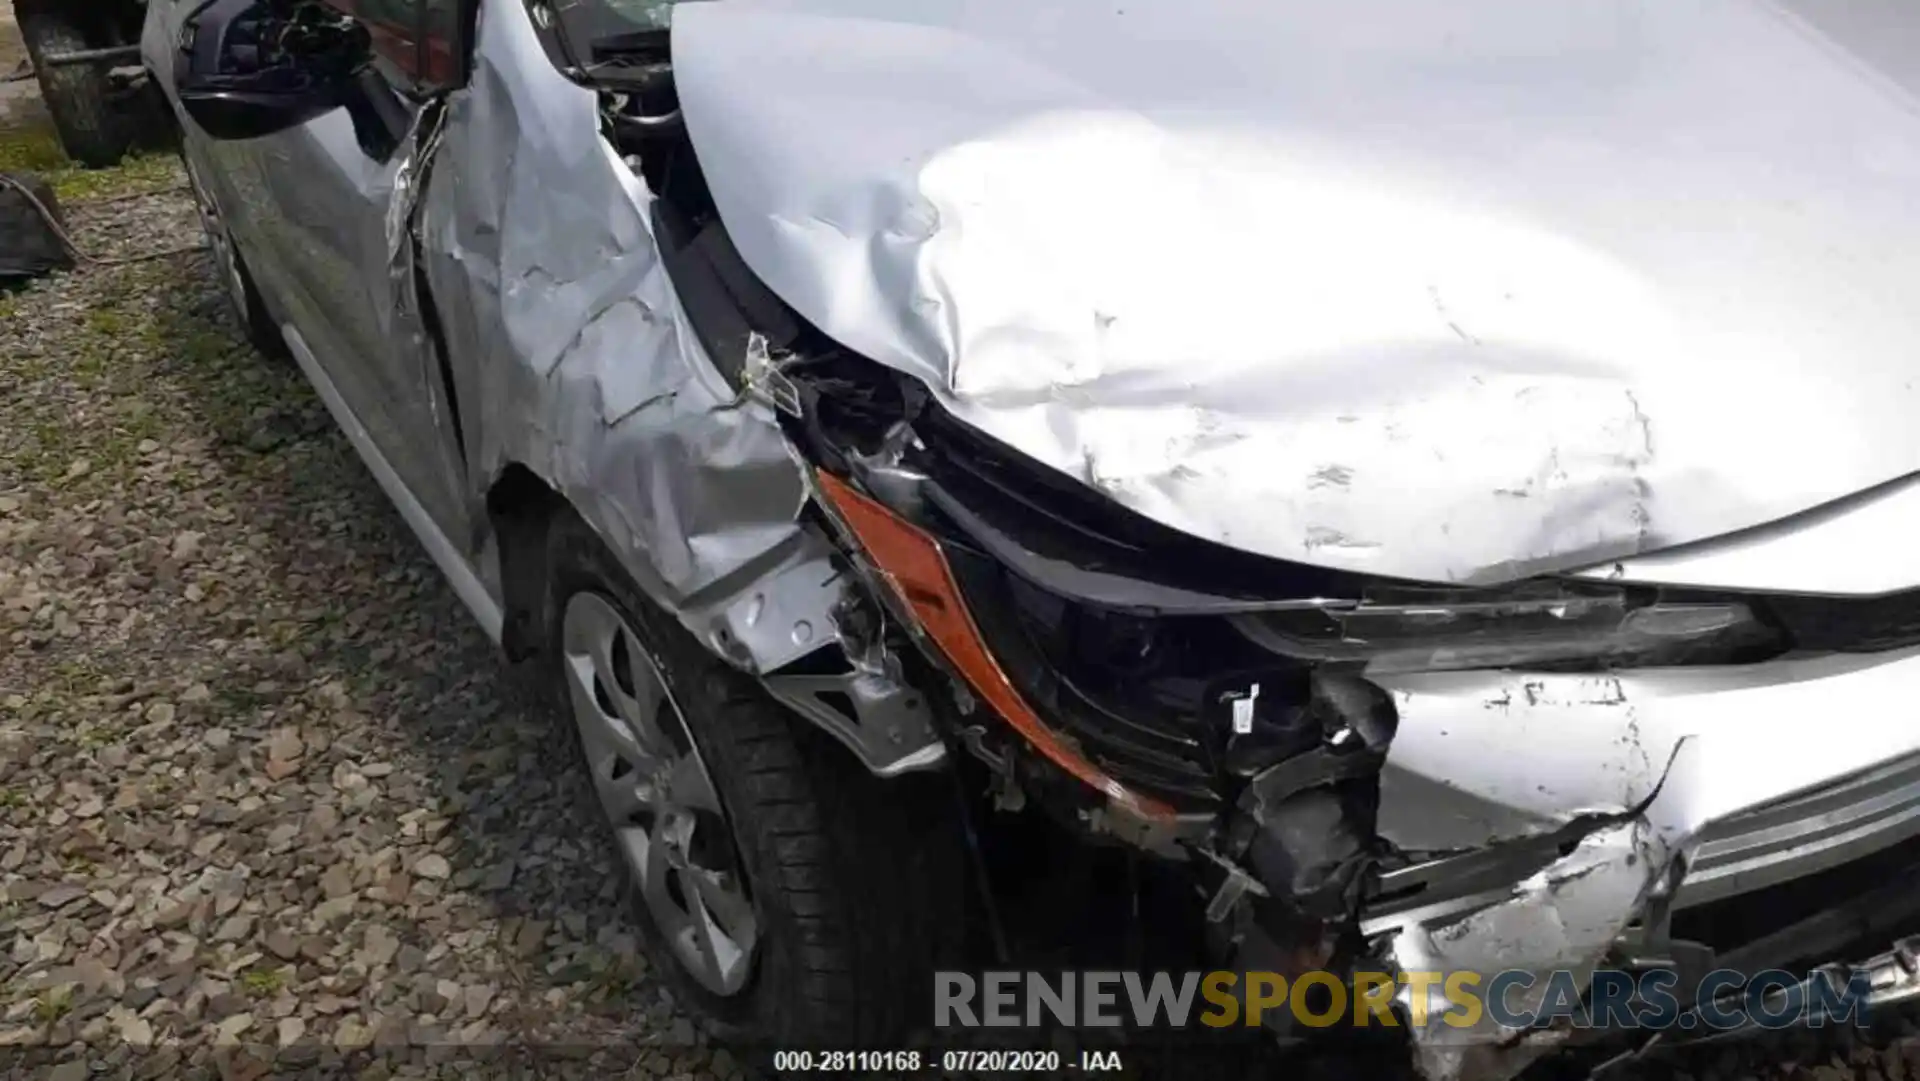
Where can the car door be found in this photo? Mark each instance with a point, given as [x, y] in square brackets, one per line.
[339, 235]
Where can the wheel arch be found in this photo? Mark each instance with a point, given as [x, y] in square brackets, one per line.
[520, 508]
[855, 690]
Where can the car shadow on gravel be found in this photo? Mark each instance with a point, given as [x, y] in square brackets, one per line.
[417, 763]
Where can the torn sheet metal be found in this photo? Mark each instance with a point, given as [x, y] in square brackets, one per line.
[1567, 916]
[410, 329]
[1452, 292]
[1601, 744]
[1655, 764]
[1562, 919]
[574, 359]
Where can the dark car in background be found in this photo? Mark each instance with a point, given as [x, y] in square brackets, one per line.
[86, 57]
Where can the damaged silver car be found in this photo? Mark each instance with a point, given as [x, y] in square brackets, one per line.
[1435, 476]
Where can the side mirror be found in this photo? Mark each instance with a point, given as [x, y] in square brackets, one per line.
[232, 114]
[249, 68]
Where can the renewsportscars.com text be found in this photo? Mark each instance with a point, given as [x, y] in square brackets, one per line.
[1518, 999]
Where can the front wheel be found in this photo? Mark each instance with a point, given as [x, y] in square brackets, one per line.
[789, 896]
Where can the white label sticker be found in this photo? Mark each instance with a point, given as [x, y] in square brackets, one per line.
[1243, 711]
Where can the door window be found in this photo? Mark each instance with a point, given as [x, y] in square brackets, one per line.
[443, 48]
[399, 44]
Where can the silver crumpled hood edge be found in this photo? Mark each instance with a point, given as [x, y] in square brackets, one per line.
[1445, 292]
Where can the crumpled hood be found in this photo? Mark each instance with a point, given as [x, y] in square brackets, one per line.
[1458, 292]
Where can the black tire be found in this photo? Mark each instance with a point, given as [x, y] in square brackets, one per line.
[79, 96]
[858, 882]
[263, 333]
[243, 296]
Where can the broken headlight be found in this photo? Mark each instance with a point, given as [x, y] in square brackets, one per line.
[1542, 625]
[1163, 669]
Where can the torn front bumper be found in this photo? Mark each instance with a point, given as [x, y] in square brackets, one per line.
[1520, 820]
[1694, 785]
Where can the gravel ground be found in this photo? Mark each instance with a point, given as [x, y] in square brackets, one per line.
[264, 789]
[19, 98]
[266, 795]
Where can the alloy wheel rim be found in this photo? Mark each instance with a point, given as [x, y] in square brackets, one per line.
[659, 797]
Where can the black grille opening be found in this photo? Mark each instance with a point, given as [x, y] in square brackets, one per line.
[1849, 624]
[1734, 922]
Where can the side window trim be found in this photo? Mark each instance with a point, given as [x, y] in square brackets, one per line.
[447, 25]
